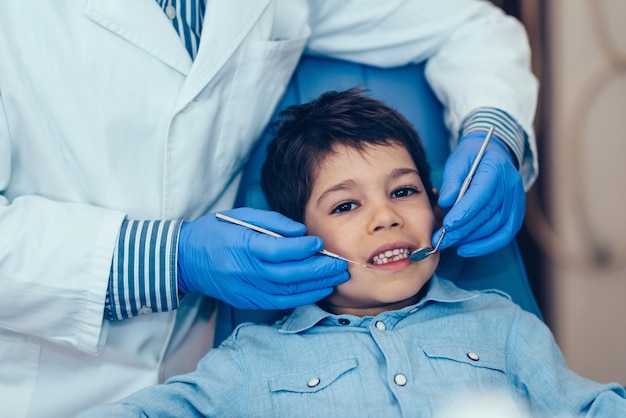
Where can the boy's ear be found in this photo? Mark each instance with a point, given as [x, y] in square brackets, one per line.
[437, 210]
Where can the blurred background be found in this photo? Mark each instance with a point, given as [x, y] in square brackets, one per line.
[574, 238]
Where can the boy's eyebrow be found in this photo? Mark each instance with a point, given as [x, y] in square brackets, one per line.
[349, 184]
[344, 185]
[399, 172]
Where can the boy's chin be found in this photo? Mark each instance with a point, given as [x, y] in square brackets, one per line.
[390, 297]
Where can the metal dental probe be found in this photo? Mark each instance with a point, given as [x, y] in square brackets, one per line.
[422, 253]
[274, 234]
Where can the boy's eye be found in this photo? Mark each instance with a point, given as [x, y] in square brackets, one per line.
[404, 191]
[344, 207]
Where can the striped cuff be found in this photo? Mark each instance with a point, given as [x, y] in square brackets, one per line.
[143, 271]
[507, 129]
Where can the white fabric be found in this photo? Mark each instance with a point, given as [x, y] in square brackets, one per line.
[102, 115]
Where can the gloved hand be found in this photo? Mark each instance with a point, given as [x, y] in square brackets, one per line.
[492, 210]
[251, 270]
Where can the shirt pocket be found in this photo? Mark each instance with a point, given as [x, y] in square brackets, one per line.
[469, 365]
[315, 388]
[261, 70]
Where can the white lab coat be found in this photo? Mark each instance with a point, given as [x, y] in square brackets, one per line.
[103, 115]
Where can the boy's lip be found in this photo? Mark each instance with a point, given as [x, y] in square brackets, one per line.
[405, 248]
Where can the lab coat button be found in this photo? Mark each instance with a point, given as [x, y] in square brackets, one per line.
[313, 382]
[380, 325]
[473, 356]
[170, 12]
[400, 379]
[144, 310]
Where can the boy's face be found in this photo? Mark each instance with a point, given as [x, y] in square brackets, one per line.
[365, 206]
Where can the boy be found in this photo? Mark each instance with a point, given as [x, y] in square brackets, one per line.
[394, 340]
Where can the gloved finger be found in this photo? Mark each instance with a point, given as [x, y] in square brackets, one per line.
[270, 220]
[456, 233]
[292, 301]
[452, 178]
[319, 270]
[484, 246]
[501, 235]
[279, 250]
[261, 300]
[489, 219]
[483, 193]
[435, 240]
[304, 286]
[458, 165]
[476, 231]
[488, 244]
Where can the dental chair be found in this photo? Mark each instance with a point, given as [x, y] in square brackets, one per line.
[404, 88]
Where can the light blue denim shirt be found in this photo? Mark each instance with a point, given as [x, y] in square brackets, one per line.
[404, 363]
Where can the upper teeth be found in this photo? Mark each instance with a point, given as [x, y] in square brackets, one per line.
[390, 256]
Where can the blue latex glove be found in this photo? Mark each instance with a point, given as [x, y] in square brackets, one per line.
[250, 270]
[492, 210]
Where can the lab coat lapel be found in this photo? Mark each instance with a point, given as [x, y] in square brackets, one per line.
[226, 25]
[144, 24]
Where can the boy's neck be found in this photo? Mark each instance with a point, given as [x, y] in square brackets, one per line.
[374, 310]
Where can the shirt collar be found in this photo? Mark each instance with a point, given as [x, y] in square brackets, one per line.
[439, 291]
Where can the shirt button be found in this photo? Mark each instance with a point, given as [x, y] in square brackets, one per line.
[313, 382]
[400, 379]
[380, 325]
[170, 11]
[473, 356]
[344, 321]
[144, 310]
[414, 310]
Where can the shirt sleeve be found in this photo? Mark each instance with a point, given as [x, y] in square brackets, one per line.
[507, 129]
[218, 387]
[143, 272]
[539, 371]
[143, 276]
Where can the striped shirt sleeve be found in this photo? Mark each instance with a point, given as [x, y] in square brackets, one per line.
[143, 276]
[143, 272]
[507, 129]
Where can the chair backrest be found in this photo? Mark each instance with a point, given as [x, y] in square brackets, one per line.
[404, 88]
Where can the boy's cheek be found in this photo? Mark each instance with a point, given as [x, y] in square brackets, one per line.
[437, 211]
[438, 216]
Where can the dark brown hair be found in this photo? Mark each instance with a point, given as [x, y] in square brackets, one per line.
[308, 132]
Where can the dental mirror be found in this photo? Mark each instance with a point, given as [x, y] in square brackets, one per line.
[424, 252]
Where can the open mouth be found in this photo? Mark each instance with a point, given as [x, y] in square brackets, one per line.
[390, 256]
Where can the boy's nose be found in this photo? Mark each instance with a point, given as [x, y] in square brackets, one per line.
[384, 217]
